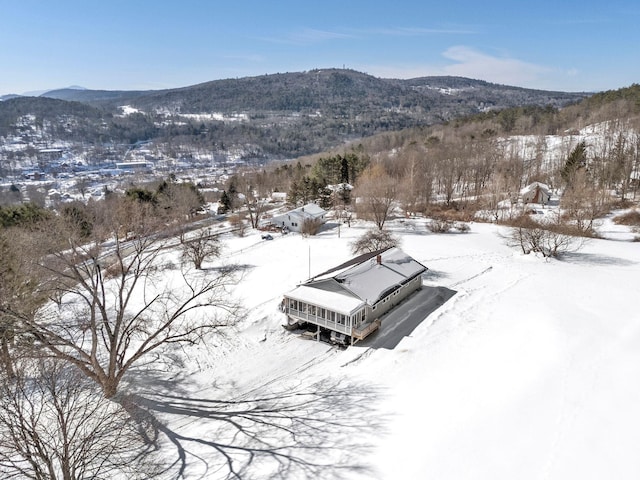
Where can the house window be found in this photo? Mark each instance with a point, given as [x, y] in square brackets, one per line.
[321, 312]
[312, 309]
[333, 316]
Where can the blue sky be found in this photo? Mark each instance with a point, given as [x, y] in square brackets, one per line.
[128, 45]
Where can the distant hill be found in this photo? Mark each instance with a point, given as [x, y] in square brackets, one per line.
[92, 96]
[8, 97]
[291, 114]
[335, 90]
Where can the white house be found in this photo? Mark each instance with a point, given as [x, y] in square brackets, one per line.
[536, 193]
[279, 196]
[293, 220]
[348, 300]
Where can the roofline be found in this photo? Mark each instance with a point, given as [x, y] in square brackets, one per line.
[361, 259]
[354, 261]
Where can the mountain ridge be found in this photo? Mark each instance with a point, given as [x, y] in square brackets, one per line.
[341, 82]
[282, 115]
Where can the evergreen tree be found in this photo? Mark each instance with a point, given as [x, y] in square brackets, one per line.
[344, 170]
[232, 190]
[325, 198]
[577, 159]
[294, 193]
[225, 203]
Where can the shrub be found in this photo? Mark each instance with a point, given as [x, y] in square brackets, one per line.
[438, 225]
[310, 227]
[631, 218]
[550, 240]
[453, 212]
[462, 227]
[238, 225]
[446, 226]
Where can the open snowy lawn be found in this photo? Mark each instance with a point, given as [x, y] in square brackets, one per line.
[531, 371]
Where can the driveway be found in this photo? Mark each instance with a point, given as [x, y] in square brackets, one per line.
[403, 320]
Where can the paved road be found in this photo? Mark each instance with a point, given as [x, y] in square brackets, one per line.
[403, 319]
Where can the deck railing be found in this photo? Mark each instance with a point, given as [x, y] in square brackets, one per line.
[316, 320]
[364, 331]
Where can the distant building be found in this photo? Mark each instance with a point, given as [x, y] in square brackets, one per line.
[536, 193]
[134, 166]
[279, 196]
[293, 220]
[348, 301]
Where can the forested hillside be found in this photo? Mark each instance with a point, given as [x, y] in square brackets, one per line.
[280, 116]
[588, 154]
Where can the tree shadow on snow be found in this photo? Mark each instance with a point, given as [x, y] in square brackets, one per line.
[308, 432]
[432, 275]
[230, 268]
[593, 259]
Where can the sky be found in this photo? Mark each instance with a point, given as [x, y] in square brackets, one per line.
[141, 45]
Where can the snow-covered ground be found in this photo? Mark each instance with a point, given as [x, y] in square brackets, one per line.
[530, 371]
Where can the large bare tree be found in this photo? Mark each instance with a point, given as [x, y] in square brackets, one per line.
[377, 193]
[254, 193]
[55, 424]
[122, 298]
[20, 295]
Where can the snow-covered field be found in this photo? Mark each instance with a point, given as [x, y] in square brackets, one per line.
[530, 371]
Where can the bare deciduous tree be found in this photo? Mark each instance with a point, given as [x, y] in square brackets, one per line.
[82, 185]
[179, 201]
[55, 424]
[123, 300]
[20, 296]
[196, 248]
[551, 240]
[374, 240]
[253, 190]
[583, 203]
[238, 224]
[377, 193]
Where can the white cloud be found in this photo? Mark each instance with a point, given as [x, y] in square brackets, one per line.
[475, 64]
[306, 36]
[310, 35]
[468, 62]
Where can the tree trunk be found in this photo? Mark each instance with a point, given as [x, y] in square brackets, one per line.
[5, 357]
[110, 387]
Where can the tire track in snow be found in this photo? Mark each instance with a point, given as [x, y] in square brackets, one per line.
[486, 270]
[309, 363]
[467, 307]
